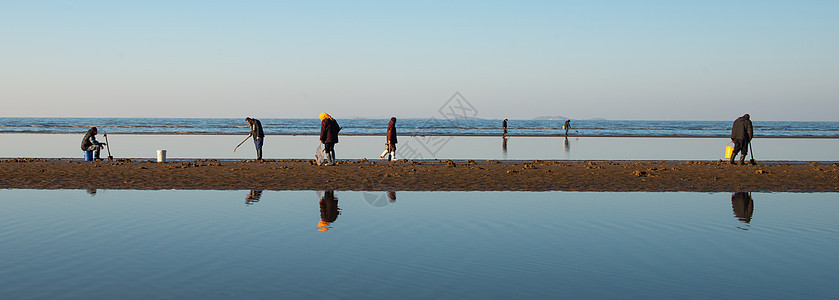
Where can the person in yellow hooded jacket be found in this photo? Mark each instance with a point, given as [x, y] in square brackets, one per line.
[329, 136]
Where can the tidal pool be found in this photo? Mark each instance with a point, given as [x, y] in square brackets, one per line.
[430, 147]
[320, 244]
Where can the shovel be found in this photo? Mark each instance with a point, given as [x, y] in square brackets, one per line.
[107, 145]
[752, 154]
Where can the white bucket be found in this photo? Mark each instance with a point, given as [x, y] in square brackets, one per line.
[161, 155]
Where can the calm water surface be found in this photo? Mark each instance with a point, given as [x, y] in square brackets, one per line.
[251, 244]
[460, 147]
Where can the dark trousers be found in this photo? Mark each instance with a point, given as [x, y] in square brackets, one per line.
[258, 143]
[329, 147]
[741, 146]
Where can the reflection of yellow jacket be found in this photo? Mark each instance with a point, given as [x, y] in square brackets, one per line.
[329, 210]
[324, 226]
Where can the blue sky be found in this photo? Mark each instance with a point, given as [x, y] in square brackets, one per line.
[663, 60]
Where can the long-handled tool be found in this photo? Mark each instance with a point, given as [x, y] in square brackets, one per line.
[107, 145]
[237, 146]
[752, 154]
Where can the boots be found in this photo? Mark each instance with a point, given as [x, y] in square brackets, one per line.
[96, 153]
[330, 158]
[259, 154]
[391, 156]
[742, 158]
[732, 159]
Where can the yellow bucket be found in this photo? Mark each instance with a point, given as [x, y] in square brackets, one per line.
[728, 151]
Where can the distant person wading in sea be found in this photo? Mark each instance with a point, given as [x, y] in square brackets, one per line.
[567, 126]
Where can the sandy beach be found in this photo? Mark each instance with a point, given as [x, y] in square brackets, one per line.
[429, 175]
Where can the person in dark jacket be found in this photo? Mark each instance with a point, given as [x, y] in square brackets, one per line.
[390, 146]
[257, 134]
[89, 142]
[741, 135]
[567, 126]
[329, 136]
[504, 125]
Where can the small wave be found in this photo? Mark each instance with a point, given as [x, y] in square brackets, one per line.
[411, 127]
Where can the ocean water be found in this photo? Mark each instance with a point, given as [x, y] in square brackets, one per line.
[430, 126]
[115, 244]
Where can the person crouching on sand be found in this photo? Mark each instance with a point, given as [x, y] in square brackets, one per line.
[89, 142]
[329, 136]
[390, 147]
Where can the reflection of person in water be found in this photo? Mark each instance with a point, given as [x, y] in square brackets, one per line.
[504, 146]
[567, 146]
[391, 196]
[253, 197]
[743, 206]
[329, 210]
[91, 192]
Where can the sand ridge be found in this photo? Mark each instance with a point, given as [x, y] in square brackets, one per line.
[408, 175]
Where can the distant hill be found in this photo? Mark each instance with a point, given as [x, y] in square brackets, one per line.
[551, 118]
[562, 118]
